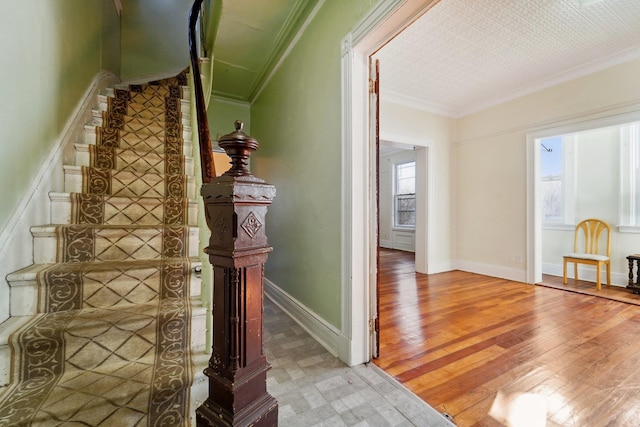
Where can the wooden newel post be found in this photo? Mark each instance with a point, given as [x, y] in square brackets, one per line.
[236, 205]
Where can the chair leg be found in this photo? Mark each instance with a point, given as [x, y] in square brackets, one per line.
[598, 274]
[608, 267]
[564, 271]
[575, 272]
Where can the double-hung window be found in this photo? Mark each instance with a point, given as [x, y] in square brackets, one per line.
[405, 195]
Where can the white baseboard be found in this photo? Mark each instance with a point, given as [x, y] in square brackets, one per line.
[16, 241]
[586, 273]
[500, 271]
[326, 334]
[440, 267]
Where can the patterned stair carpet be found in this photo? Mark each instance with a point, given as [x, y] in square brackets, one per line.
[111, 342]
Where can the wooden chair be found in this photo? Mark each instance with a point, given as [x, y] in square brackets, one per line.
[589, 231]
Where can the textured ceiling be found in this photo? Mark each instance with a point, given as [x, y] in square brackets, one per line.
[465, 55]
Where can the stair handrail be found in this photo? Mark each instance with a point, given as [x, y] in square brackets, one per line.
[206, 154]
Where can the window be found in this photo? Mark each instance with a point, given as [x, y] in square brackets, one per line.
[405, 195]
[557, 162]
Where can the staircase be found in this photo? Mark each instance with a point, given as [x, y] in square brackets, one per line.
[112, 331]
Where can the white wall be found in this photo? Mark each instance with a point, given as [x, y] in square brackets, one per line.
[391, 237]
[398, 122]
[490, 164]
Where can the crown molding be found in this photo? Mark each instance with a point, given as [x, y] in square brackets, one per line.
[280, 53]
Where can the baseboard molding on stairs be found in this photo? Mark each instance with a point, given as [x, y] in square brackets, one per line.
[16, 249]
[326, 334]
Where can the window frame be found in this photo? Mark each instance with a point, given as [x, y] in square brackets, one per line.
[397, 195]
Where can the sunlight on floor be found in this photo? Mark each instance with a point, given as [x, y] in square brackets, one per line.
[519, 409]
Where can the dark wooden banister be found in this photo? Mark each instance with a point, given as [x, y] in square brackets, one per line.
[206, 154]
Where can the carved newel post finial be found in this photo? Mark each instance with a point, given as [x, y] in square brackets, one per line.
[236, 207]
[238, 146]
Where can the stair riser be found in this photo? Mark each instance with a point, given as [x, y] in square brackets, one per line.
[198, 328]
[186, 131]
[185, 119]
[61, 212]
[73, 184]
[90, 138]
[24, 291]
[83, 157]
[134, 244]
[185, 94]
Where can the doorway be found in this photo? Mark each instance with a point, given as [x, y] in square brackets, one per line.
[595, 180]
[386, 19]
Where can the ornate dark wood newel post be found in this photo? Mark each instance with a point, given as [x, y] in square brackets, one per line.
[236, 205]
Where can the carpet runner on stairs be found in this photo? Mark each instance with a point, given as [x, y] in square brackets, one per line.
[111, 343]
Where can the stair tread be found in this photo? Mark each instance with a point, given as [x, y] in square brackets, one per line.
[67, 195]
[148, 121]
[30, 272]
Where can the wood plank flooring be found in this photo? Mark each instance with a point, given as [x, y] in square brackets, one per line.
[458, 339]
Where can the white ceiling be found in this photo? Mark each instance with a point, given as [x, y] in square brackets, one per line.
[466, 55]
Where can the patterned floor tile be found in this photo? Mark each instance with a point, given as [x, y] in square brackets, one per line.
[314, 388]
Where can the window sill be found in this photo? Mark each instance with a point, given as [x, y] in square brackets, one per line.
[629, 229]
[397, 228]
[560, 227]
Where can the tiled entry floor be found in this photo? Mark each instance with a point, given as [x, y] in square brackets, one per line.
[314, 388]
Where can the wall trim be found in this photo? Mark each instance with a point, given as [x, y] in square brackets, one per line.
[257, 91]
[492, 270]
[234, 102]
[325, 333]
[619, 109]
[441, 267]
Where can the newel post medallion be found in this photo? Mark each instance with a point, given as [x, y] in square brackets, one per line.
[235, 207]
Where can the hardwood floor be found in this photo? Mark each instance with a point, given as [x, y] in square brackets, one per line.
[458, 339]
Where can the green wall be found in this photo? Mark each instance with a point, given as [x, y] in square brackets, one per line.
[297, 120]
[51, 50]
[154, 37]
[222, 114]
